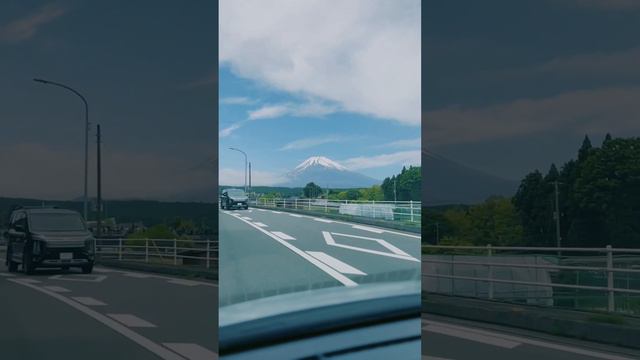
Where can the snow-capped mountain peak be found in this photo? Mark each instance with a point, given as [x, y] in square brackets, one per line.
[319, 161]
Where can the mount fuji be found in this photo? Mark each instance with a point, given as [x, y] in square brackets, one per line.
[325, 172]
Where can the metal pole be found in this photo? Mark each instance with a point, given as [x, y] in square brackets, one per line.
[611, 305]
[245, 166]
[557, 218]
[99, 183]
[86, 138]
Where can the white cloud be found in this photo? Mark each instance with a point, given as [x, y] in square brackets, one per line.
[368, 162]
[268, 112]
[314, 141]
[239, 100]
[235, 177]
[229, 130]
[25, 28]
[363, 55]
[404, 143]
[614, 110]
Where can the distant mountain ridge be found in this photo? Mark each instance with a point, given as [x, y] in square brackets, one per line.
[325, 172]
[448, 182]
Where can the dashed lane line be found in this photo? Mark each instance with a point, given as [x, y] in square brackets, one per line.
[131, 320]
[259, 224]
[296, 215]
[322, 266]
[335, 263]
[370, 229]
[146, 343]
[192, 351]
[282, 235]
[323, 220]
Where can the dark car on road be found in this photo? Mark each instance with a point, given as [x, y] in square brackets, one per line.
[234, 198]
[48, 238]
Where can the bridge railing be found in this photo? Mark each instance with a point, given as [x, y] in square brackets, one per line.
[398, 211]
[586, 278]
[202, 253]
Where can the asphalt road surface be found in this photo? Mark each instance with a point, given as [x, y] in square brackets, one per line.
[110, 314]
[453, 339]
[267, 252]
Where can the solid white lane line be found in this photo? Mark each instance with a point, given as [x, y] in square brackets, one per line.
[184, 282]
[89, 301]
[131, 320]
[335, 263]
[260, 224]
[296, 215]
[192, 351]
[276, 212]
[464, 331]
[366, 228]
[137, 275]
[246, 218]
[323, 220]
[58, 289]
[157, 349]
[30, 281]
[322, 266]
[472, 336]
[282, 235]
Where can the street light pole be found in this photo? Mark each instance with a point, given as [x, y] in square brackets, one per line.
[245, 166]
[86, 137]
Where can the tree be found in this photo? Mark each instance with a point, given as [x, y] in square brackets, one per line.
[312, 190]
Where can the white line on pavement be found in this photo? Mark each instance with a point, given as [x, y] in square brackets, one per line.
[89, 301]
[131, 320]
[247, 218]
[260, 224]
[282, 235]
[157, 349]
[192, 351]
[396, 253]
[296, 215]
[465, 331]
[366, 228]
[276, 212]
[323, 220]
[30, 281]
[333, 273]
[84, 278]
[137, 275]
[335, 263]
[58, 289]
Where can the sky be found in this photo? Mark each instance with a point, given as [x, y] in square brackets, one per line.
[148, 71]
[512, 86]
[332, 78]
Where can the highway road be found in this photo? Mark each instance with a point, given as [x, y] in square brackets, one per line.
[453, 339]
[266, 252]
[110, 314]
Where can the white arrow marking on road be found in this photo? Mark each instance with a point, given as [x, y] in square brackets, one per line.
[260, 224]
[395, 252]
[323, 220]
[282, 235]
[366, 228]
[192, 351]
[335, 263]
[89, 301]
[131, 320]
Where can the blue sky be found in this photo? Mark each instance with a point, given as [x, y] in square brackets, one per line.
[289, 90]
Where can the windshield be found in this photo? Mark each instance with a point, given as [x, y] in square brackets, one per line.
[57, 222]
[235, 192]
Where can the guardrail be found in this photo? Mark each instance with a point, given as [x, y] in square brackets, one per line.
[399, 211]
[160, 251]
[594, 278]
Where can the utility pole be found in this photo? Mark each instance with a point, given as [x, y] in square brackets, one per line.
[99, 182]
[249, 175]
[557, 218]
[395, 196]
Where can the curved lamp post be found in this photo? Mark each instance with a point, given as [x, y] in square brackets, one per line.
[245, 166]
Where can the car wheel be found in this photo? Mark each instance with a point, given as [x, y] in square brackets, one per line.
[87, 269]
[27, 264]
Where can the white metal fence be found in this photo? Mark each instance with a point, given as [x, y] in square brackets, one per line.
[536, 273]
[399, 211]
[160, 251]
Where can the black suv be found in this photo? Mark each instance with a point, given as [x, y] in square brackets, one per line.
[231, 198]
[48, 237]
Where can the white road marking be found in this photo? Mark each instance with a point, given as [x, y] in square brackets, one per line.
[247, 218]
[296, 215]
[276, 212]
[335, 263]
[184, 282]
[472, 336]
[83, 278]
[58, 289]
[157, 349]
[192, 351]
[323, 220]
[395, 252]
[322, 266]
[89, 301]
[282, 235]
[30, 281]
[131, 320]
[260, 224]
[103, 270]
[137, 275]
[464, 333]
[366, 228]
